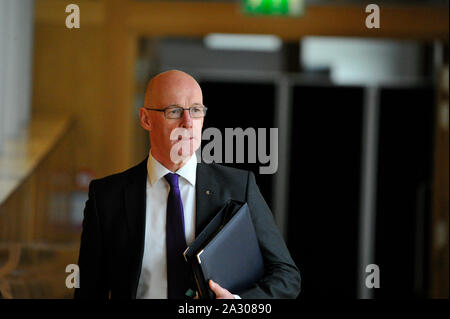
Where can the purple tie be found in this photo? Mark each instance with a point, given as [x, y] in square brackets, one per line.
[178, 272]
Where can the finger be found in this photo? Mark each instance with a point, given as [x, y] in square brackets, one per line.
[218, 290]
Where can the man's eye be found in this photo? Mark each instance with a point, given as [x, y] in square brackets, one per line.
[196, 110]
[174, 111]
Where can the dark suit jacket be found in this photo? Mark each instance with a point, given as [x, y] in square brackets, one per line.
[112, 241]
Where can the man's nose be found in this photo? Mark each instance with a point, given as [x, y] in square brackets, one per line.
[186, 119]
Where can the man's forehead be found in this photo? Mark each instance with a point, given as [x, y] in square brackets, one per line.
[174, 95]
[173, 87]
[178, 95]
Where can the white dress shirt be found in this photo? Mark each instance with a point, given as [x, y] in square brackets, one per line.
[153, 279]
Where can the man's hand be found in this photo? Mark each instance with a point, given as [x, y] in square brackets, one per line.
[221, 293]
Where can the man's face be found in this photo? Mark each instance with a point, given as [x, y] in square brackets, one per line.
[174, 138]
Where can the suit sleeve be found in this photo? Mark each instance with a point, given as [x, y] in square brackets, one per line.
[91, 261]
[281, 275]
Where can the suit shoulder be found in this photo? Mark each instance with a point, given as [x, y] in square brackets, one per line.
[118, 179]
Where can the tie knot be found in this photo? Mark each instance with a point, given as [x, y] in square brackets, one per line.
[172, 179]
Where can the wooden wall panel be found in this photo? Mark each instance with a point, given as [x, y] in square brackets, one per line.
[88, 72]
[120, 51]
[53, 12]
[69, 76]
[198, 19]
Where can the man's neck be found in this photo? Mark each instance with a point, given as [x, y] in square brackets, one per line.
[167, 162]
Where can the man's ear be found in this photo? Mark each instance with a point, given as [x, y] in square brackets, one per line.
[144, 119]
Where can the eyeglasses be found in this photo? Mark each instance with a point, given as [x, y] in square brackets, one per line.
[176, 112]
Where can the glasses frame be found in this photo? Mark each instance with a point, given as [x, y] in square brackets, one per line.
[178, 107]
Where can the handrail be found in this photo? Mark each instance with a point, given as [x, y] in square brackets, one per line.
[21, 155]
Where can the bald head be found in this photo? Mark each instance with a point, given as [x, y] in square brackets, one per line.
[172, 87]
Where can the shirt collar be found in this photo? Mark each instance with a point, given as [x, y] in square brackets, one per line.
[155, 170]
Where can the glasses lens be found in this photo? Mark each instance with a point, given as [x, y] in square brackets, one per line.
[174, 113]
[197, 111]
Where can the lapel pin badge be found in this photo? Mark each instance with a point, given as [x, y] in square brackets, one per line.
[208, 192]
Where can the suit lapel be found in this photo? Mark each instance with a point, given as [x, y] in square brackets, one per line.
[208, 199]
[135, 201]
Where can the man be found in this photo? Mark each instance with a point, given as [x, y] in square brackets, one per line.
[137, 223]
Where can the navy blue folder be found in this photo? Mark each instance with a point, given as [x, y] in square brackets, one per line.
[226, 251]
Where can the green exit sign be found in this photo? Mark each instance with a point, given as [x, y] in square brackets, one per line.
[274, 7]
